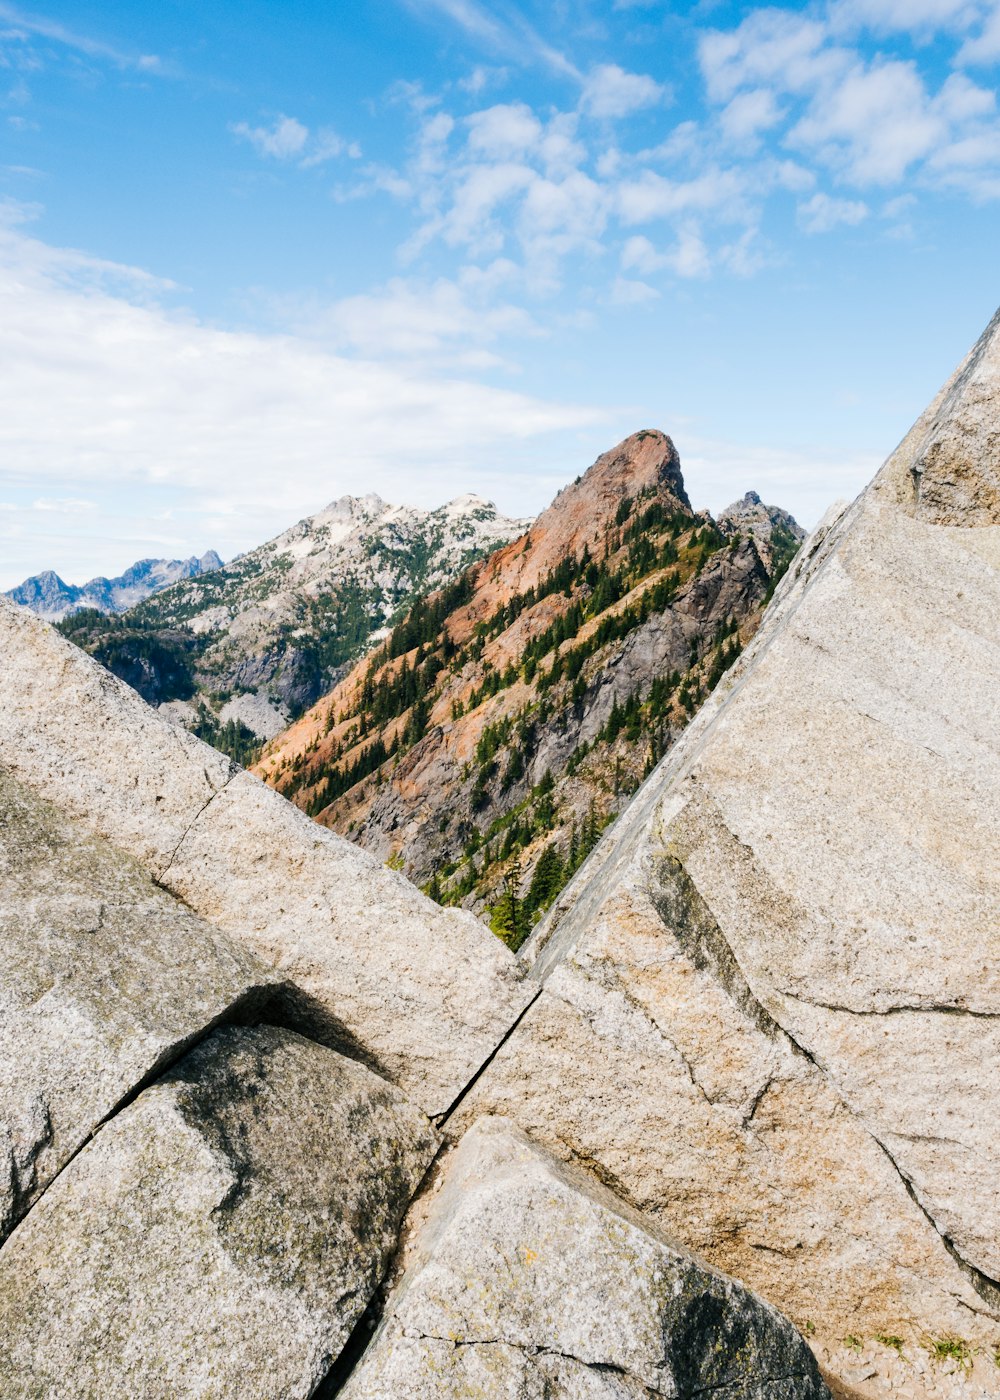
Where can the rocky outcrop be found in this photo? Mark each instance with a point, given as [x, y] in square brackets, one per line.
[528, 1280]
[948, 468]
[508, 718]
[776, 534]
[47, 595]
[378, 968]
[762, 1016]
[220, 1237]
[104, 980]
[792, 932]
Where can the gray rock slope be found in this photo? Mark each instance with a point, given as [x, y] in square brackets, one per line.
[379, 969]
[104, 979]
[530, 1282]
[220, 1237]
[763, 1016]
[47, 595]
[793, 931]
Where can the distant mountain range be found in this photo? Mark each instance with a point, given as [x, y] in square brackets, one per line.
[508, 717]
[50, 597]
[239, 653]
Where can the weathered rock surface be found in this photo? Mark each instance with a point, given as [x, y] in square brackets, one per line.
[220, 1236]
[103, 979]
[952, 459]
[424, 995]
[528, 1280]
[771, 1006]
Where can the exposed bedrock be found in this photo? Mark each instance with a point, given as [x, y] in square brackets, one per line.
[220, 1236]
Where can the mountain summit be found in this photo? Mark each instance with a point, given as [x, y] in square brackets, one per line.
[238, 654]
[507, 719]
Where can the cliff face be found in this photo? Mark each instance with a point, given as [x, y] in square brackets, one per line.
[237, 654]
[507, 720]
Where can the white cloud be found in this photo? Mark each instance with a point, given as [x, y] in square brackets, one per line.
[283, 140]
[288, 139]
[652, 196]
[512, 36]
[44, 28]
[639, 255]
[983, 47]
[874, 121]
[155, 402]
[446, 320]
[689, 257]
[821, 214]
[609, 92]
[626, 291]
[328, 145]
[64, 505]
[770, 48]
[749, 114]
[504, 131]
[877, 122]
[905, 16]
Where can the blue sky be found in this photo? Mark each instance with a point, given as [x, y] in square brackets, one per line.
[255, 256]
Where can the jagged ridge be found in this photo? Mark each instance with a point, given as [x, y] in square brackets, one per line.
[508, 719]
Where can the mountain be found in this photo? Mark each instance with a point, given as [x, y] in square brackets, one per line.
[47, 595]
[508, 718]
[238, 653]
[268, 1112]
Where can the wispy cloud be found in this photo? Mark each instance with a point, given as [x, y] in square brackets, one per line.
[42, 27]
[872, 120]
[501, 29]
[156, 402]
[610, 91]
[821, 214]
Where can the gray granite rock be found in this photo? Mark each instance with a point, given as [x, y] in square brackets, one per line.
[421, 993]
[527, 1281]
[771, 1006]
[219, 1237]
[104, 978]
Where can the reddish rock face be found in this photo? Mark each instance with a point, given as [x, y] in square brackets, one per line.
[514, 714]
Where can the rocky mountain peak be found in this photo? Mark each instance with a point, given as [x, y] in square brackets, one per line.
[947, 470]
[347, 507]
[240, 652]
[50, 597]
[575, 653]
[769, 527]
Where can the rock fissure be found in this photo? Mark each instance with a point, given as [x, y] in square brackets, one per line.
[246, 1010]
[441, 1119]
[160, 878]
[916, 1008]
[614, 982]
[987, 1288]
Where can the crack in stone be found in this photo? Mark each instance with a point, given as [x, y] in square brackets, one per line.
[235, 770]
[683, 911]
[530, 1351]
[937, 1008]
[442, 1118]
[987, 1288]
[246, 1009]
